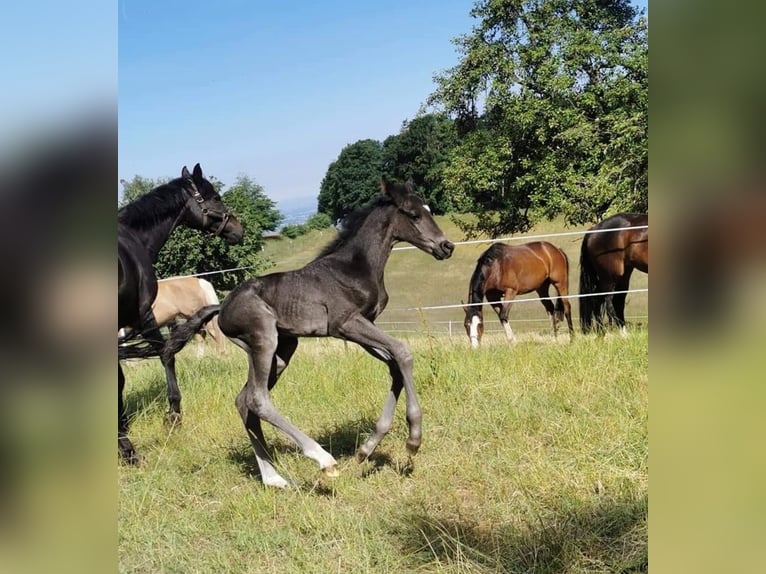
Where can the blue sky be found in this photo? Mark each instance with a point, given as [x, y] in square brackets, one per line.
[273, 89]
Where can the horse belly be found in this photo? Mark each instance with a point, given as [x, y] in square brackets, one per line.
[302, 319]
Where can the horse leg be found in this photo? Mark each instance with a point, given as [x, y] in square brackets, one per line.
[215, 332]
[286, 347]
[542, 291]
[254, 403]
[399, 360]
[152, 333]
[389, 408]
[503, 307]
[619, 301]
[199, 339]
[124, 446]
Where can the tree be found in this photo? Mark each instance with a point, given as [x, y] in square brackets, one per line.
[188, 251]
[352, 180]
[550, 102]
[420, 153]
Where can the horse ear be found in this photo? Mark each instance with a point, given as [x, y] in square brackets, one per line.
[409, 185]
[395, 192]
[197, 172]
[185, 173]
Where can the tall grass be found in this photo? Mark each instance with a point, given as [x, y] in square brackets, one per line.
[534, 459]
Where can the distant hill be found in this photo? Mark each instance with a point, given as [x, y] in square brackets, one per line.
[297, 210]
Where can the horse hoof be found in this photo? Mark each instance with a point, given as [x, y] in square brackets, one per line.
[361, 456]
[127, 453]
[173, 418]
[412, 447]
[331, 471]
[130, 457]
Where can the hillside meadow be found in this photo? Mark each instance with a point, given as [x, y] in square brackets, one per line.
[415, 279]
[534, 456]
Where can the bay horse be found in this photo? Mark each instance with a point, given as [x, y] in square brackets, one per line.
[504, 271]
[338, 294]
[143, 227]
[607, 260]
[183, 297]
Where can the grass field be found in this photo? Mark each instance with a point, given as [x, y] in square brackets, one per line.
[534, 459]
[534, 456]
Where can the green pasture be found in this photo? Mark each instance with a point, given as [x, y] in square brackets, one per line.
[534, 459]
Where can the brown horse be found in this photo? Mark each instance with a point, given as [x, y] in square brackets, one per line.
[183, 297]
[607, 260]
[504, 271]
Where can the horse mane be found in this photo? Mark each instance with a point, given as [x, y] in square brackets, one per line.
[154, 206]
[476, 286]
[351, 224]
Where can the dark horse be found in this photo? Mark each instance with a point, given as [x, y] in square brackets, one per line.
[607, 260]
[505, 271]
[338, 294]
[143, 226]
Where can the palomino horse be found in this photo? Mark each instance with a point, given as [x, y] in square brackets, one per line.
[183, 297]
[338, 294]
[143, 226]
[607, 260]
[505, 271]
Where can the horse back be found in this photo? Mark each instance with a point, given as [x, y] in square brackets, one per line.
[616, 251]
[524, 268]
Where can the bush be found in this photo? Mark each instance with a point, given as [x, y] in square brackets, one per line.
[319, 221]
[294, 230]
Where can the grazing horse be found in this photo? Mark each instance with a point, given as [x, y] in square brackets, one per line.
[607, 260]
[143, 226]
[338, 294]
[505, 271]
[183, 297]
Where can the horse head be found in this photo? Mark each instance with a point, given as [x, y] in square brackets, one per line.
[417, 226]
[206, 210]
[473, 323]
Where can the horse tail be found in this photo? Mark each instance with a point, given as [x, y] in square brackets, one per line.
[559, 304]
[590, 307]
[179, 336]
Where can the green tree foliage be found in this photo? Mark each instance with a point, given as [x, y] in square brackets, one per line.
[420, 152]
[352, 180]
[550, 99]
[188, 251]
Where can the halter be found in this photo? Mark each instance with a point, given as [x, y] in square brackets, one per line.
[197, 196]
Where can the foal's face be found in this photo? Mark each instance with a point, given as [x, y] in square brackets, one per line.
[416, 225]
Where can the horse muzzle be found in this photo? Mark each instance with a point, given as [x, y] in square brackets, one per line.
[232, 231]
[443, 250]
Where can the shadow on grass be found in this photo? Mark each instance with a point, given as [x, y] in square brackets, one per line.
[153, 396]
[608, 537]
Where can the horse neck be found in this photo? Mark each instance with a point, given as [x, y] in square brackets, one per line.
[368, 244]
[154, 237]
[153, 232]
[476, 291]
